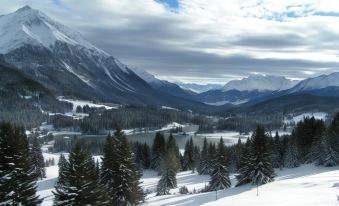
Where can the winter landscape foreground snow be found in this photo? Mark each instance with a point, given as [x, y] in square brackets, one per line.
[306, 185]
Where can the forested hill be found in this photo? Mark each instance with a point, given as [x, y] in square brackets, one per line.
[22, 99]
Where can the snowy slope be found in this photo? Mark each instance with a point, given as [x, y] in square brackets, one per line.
[199, 88]
[320, 82]
[307, 185]
[30, 26]
[260, 83]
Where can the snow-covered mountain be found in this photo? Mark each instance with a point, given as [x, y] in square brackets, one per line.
[316, 83]
[67, 64]
[163, 85]
[198, 88]
[260, 83]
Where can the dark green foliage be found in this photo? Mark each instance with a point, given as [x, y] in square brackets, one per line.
[17, 178]
[37, 159]
[219, 176]
[22, 98]
[260, 158]
[120, 174]
[245, 166]
[203, 163]
[172, 148]
[158, 150]
[256, 166]
[188, 163]
[168, 174]
[78, 182]
[306, 133]
[292, 155]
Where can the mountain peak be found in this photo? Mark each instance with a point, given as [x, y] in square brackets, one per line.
[24, 8]
[28, 26]
[261, 83]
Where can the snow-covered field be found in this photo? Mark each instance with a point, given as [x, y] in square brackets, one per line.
[307, 185]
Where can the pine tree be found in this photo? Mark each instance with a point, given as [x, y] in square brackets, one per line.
[37, 159]
[276, 154]
[126, 186]
[146, 156]
[109, 165]
[168, 174]
[158, 150]
[219, 178]
[203, 164]
[79, 183]
[172, 147]
[292, 155]
[331, 143]
[211, 158]
[262, 172]
[188, 155]
[245, 166]
[17, 179]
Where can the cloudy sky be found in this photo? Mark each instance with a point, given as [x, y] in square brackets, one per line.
[206, 41]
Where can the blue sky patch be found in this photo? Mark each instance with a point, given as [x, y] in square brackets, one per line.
[172, 4]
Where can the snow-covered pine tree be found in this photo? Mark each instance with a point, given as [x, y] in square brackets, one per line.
[260, 158]
[245, 166]
[172, 147]
[79, 183]
[17, 179]
[196, 157]
[146, 156]
[276, 154]
[126, 176]
[168, 174]
[188, 155]
[158, 151]
[37, 159]
[220, 178]
[331, 143]
[203, 163]
[211, 158]
[292, 155]
[109, 165]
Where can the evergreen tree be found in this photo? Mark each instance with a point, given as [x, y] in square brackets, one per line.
[211, 158]
[331, 143]
[262, 169]
[126, 186]
[188, 155]
[172, 147]
[276, 152]
[146, 156]
[158, 150]
[17, 178]
[219, 178]
[196, 157]
[79, 183]
[245, 166]
[203, 163]
[292, 155]
[168, 174]
[37, 159]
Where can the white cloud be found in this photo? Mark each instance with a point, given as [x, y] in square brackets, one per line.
[213, 40]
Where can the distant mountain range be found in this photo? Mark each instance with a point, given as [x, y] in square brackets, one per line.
[65, 63]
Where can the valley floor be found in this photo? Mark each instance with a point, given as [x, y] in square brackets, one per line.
[307, 185]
